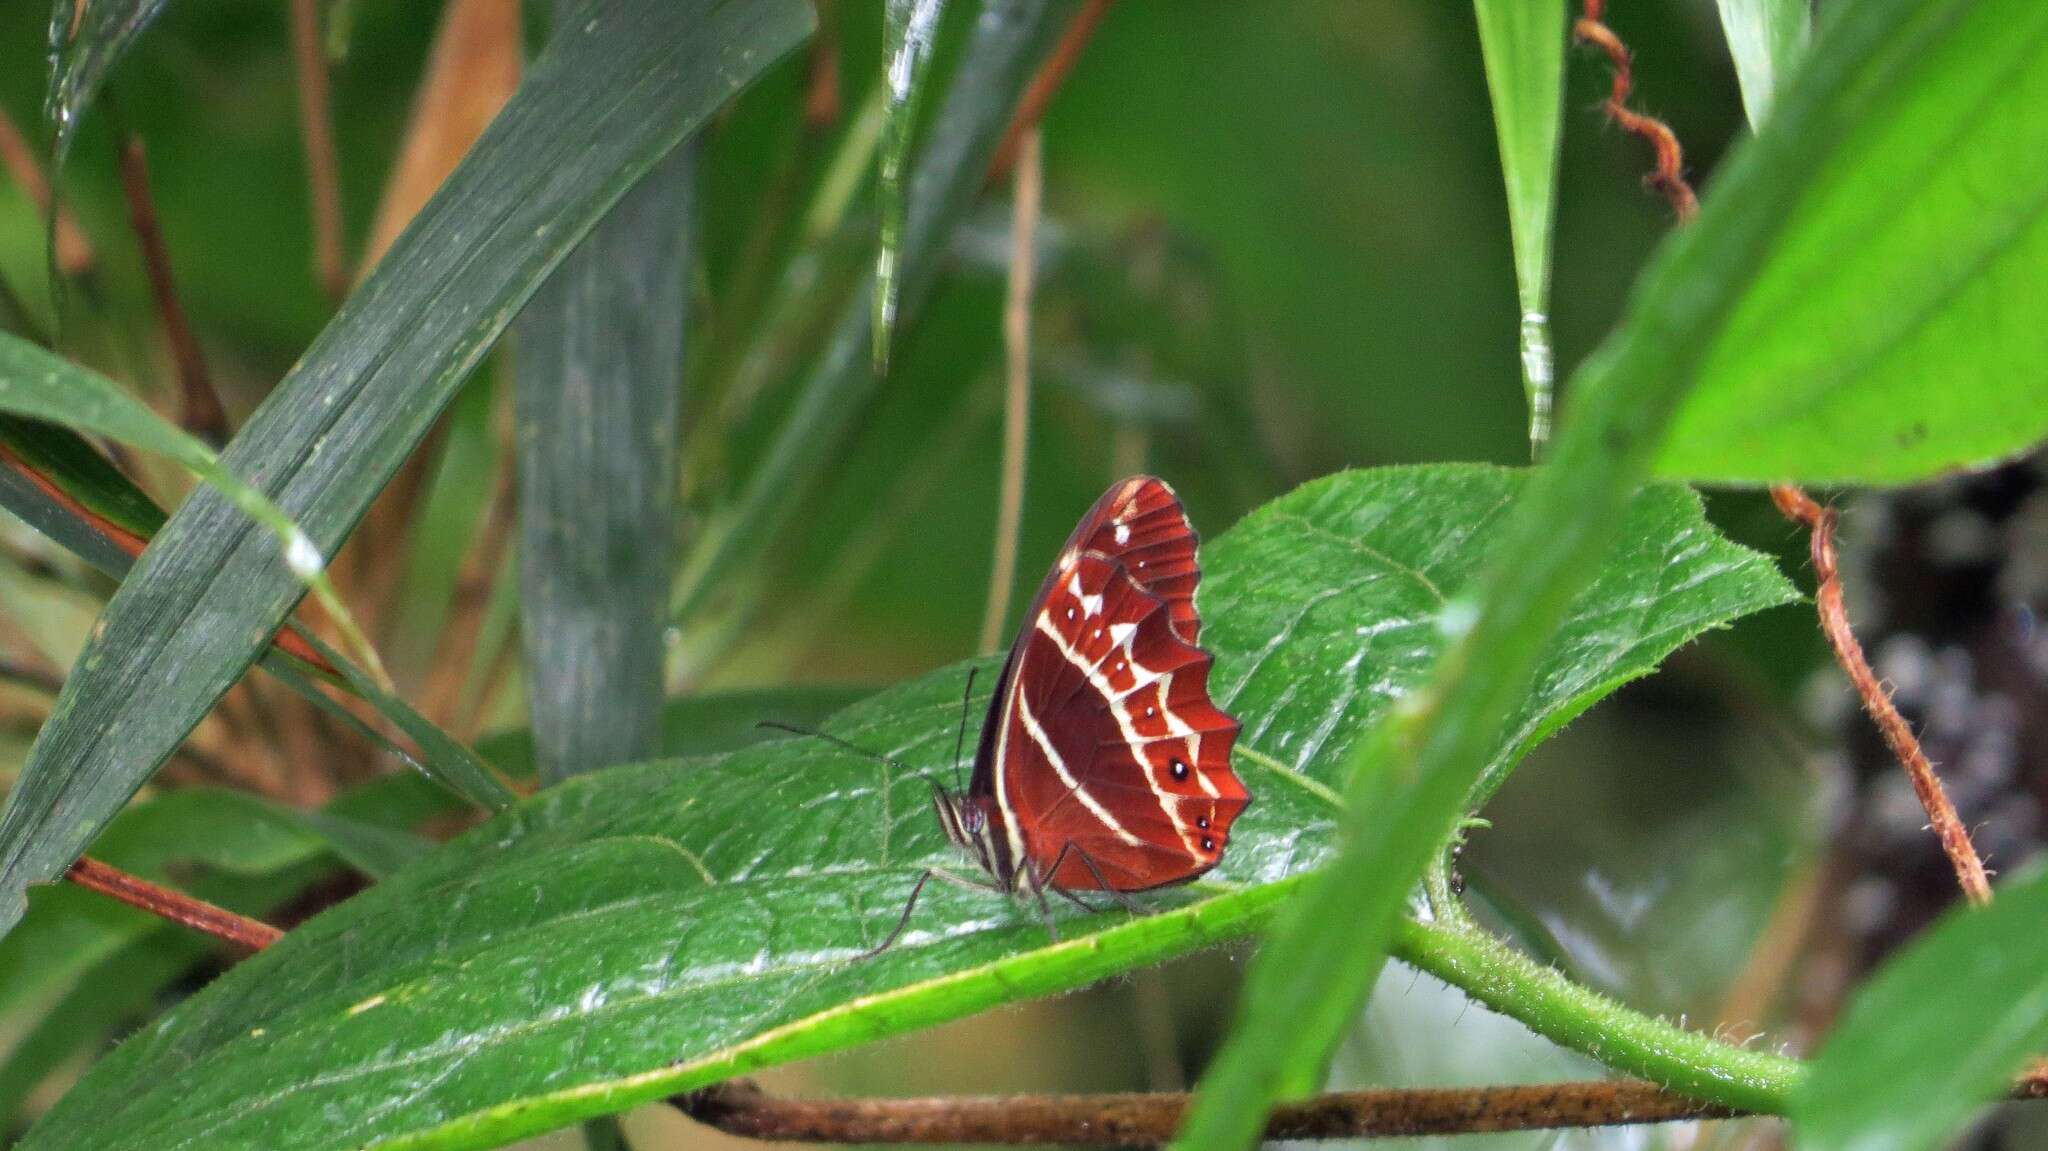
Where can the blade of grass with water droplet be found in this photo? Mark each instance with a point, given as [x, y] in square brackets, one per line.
[1523, 43]
[909, 28]
[86, 40]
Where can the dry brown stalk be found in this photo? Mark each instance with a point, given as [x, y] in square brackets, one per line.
[176, 906]
[742, 1108]
[200, 410]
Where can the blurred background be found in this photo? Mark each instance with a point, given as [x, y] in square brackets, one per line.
[1275, 245]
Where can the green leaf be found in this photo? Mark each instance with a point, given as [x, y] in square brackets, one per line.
[1406, 785]
[600, 385]
[1009, 39]
[1523, 42]
[702, 724]
[80, 58]
[624, 83]
[1891, 336]
[1767, 38]
[909, 28]
[646, 929]
[1939, 1031]
[119, 990]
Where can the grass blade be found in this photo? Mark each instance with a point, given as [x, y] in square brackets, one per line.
[1523, 42]
[600, 382]
[1767, 38]
[909, 28]
[86, 41]
[623, 85]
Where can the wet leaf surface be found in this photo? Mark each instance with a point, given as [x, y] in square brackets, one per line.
[646, 929]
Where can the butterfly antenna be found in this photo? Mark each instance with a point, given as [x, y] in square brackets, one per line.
[855, 748]
[960, 741]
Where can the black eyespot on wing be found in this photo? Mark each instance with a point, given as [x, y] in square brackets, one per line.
[1180, 770]
[1208, 844]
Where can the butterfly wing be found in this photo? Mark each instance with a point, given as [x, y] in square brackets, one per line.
[1112, 763]
[1140, 524]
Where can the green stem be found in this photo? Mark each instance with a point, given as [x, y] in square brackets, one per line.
[1586, 1021]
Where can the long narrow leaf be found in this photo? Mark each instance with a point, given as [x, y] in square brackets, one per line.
[908, 29]
[41, 386]
[625, 82]
[600, 366]
[1523, 42]
[1767, 39]
[1407, 784]
[86, 40]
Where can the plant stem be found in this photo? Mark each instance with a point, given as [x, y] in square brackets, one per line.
[1584, 1020]
[1948, 827]
[1016, 392]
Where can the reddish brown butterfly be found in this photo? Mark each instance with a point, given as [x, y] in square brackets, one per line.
[1103, 763]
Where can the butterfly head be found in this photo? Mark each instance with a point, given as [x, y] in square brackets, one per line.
[967, 824]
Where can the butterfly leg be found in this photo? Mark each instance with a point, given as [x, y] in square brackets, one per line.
[1123, 899]
[910, 905]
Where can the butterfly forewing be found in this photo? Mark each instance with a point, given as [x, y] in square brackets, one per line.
[1104, 759]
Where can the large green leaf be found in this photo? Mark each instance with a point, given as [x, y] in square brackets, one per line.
[625, 82]
[1405, 785]
[1523, 42]
[641, 930]
[1892, 334]
[1937, 1033]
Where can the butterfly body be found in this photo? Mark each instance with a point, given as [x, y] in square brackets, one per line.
[1103, 764]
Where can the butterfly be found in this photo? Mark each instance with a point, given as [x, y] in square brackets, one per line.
[1103, 764]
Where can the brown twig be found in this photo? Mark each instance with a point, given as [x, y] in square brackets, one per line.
[1052, 74]
[200, 411]
[1016, 391]
[176, 906]
[1669, 176]
[74, 252]
[1834, 623]
[323, 170]
[742, 1108]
